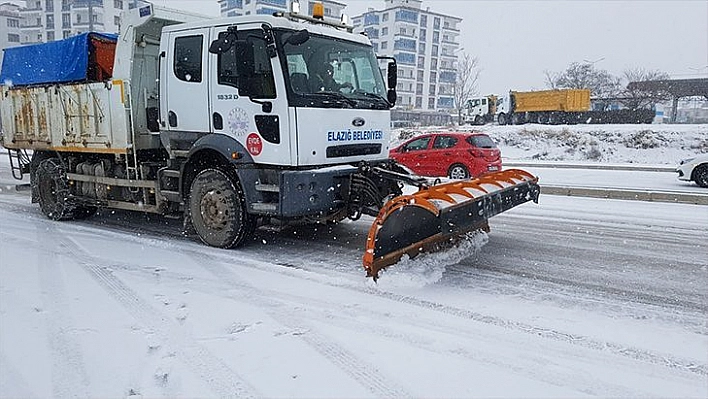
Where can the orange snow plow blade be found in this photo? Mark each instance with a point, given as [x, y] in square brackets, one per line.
[438, 215]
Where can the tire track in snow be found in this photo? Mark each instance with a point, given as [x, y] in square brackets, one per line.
[69, 376]
[666, 360]
[365, 374]
[467, 340]
[219, 376]
[575, 339]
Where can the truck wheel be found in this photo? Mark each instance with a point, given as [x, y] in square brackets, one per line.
[700, 175]
[53, 190]
[502, 119]
[478, 120]
[458, 172]
[217, 209]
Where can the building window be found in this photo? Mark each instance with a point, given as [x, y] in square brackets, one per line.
[419, 89]
[13, 38]
[435, 50]
[384, 45]
[436, 37]
[433, 76]
[66, 20]
[419, 102]
[50, 23]
[422, 35]
[431, 102]
[65, 5]
[13, 23]
[49, 6]
[118, 4]
[421, 75]
[431, 90]
[50, 36]
[65, 34]
[436, 23]
[188, 58]
[434, 63]
[421, 48]
[423, 20]
[384, 18]
[384, 31]
[116, 20]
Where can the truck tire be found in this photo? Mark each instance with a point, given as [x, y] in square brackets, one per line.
[478, 120]
[458, 172]
[700, 175]
[217, 209]
[502, 119]
[53, 193]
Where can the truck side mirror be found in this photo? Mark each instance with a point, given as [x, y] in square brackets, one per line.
[391, 95]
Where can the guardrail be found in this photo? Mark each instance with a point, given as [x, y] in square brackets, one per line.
[638, 168]
[627, 194]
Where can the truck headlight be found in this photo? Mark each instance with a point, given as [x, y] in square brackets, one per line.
[685, 161]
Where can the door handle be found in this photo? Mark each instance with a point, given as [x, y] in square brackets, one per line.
[218, 121]
[172, 119]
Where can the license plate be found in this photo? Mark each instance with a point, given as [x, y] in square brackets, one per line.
[493, 168]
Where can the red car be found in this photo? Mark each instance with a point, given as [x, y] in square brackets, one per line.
[455, 155]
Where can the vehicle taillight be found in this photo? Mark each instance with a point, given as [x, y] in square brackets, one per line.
[476, 153]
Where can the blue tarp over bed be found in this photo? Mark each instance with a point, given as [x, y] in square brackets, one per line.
[53, 62]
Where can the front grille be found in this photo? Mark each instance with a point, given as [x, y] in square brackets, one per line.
[353, 150]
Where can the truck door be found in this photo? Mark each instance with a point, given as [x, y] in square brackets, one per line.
[187, 91]
[248, 101]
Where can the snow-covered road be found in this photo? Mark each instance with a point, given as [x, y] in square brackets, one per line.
[571, 297]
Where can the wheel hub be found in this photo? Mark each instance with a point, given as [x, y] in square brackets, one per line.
[214, 210]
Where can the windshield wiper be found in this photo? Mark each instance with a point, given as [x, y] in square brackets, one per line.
[372, 96]
[338, 97]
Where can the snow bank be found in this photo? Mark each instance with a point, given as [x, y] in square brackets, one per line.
[642, 144]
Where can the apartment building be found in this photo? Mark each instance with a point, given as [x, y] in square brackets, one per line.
[232, 8]
[425, 44]
[9, 26]
[47, 20]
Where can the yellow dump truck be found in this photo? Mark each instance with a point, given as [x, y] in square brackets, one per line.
[546, 106]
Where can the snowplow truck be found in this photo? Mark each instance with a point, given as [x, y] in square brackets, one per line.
[518, 107]
[231, 124]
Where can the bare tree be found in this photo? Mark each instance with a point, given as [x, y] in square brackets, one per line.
[643, 97]
[601, 83]
[465, 82]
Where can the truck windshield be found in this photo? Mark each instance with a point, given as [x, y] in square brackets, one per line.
[325, 72]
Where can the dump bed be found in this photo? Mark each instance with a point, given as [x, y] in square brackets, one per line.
[59, 95]
[567, 100]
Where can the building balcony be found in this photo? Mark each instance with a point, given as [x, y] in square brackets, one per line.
[450, 28]
[31, 26]
[408, 35]
[32, 9]
[450, 43]
[84, 4]
[87, 24]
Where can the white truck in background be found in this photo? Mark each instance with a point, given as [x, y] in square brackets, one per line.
[231, 123]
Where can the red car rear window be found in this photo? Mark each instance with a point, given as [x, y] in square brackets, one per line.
[481, 141]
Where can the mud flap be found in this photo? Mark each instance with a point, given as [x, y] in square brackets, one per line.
[435, 217]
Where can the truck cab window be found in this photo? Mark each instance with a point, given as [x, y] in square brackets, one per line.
[188, 58]
[248, 68]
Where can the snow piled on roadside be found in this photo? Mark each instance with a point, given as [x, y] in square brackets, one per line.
[427, 269]
[659, 144]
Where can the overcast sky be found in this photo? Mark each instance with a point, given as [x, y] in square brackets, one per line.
[516, 41]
